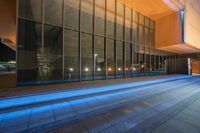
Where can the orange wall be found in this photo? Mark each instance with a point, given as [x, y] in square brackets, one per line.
[192, 22]
[8, 20]
[168, 30]
[195, 67]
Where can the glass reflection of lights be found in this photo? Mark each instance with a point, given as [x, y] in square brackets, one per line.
[86, 69]
[119, 69]
[109, 69]
[98, 69]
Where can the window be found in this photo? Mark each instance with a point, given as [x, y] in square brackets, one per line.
[120, 22]
[99, 58]
[99, 17]
[31, 9]
[120, 57]
[110, 24]
[53, 12]
[87, 15]
[71, 55]
[53, 53]
[29, 52]
[86, 57]
[110, 58]
[128, 68]
[128, 24]
[72, 14]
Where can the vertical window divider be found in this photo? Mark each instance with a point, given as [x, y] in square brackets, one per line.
[124, 47]
[131, 42]
[138, 30]
[79, 39]
[43, 11]
[105, 42]
[93, 40]
[17, 34]
[115, 39]
[63, 36]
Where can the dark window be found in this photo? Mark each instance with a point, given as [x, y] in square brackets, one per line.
[110, 58]
[53, 12]
[29, 67]
[72, 14]
[99, 58]
[53, 53]
[71, 55]
[86, 57]
[31, 9]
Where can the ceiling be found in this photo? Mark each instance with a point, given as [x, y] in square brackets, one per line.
[154, 9]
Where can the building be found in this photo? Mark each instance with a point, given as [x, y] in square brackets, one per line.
[79, 40]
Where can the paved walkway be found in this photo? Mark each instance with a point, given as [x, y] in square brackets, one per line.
[164, 105]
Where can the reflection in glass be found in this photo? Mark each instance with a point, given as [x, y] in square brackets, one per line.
[86, 57]
[86, 15]
[99, 17]
[71, 56]
[31, 9]
[110, 58]
[53, 53]
[135, 57]
[120, 62]
[99, 58]
[128, 68]
[53, 12]
[29, 68]
[120, 21]
[72, 12]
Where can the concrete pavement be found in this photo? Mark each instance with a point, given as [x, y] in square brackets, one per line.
[169, 104]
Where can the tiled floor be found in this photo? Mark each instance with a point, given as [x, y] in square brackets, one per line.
[167, 106]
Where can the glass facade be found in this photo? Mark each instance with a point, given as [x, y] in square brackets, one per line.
[78, 40]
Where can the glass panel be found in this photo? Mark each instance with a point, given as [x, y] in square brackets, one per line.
[99, 17]
[128, 25]
[142, 64]
[147, 22]
[110, 58]
[120, 62]
[99, 55]
[31, 9]
[135, 56]
[128, 68]
[29, 67]
[86, 15]
[53, 12]
[111, 5]
[147, 37]
[136, 16]
[71, 55]
[120, 21]
[152, 44]
[152, 24]
[72, 14]
[141, 35]
[141, 19]
[135, 33]
[110, 25]
[53, 53]
[86, 57]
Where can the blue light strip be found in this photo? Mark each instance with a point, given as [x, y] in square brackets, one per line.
[183, 23]
[25, 100]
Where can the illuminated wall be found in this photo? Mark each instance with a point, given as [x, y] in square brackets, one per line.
[8, 20]
[192, 22]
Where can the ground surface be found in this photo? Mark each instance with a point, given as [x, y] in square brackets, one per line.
[163, 105]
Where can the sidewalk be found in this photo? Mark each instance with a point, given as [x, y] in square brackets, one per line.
[41, 112]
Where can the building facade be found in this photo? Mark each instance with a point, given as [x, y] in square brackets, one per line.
[78, 40]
